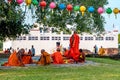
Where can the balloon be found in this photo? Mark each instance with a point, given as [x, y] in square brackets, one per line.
[52, 5]
[100, 10]
[91, 10]
[62, 6]
[109, 11]
[19, 1]
[42, 4]
[9, 0]
[76, 8]
[69, 7]
[35, 2]
[82, 9]
[28, 2]
[116, 11]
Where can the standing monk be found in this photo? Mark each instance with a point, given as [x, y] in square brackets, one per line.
[74, 46]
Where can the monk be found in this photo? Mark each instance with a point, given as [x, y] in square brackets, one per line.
[101, 51]
[15, 59]
[45, 58]
[27, 58]
[74, 46]
[57, 57]
[66, 53]
[82, 56]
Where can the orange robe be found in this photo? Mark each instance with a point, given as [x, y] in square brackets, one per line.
[26, 59]
[44, 59]
[57, 58]
[82, 57]
[66, 53]
[13, 60]
[74, 47]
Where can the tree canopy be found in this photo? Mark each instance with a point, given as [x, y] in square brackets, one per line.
[12, 17]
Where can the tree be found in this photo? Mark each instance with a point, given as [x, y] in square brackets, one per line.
[11, 20]
[60, 19]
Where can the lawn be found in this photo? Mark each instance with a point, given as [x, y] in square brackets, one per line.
[105, 69]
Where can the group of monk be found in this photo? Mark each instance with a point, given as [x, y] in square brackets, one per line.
[73, 55]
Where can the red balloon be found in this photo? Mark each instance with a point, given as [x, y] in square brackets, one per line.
[69, 7]
[42, 4]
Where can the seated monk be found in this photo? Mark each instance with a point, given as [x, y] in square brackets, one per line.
[82, 56]
[45, 58]
[27, 58]
[101, 51]
[57, 57]
[66, 53]
[15, 59]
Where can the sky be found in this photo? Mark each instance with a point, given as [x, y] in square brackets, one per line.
[110, 21]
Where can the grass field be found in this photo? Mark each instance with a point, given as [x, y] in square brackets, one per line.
[106, 69]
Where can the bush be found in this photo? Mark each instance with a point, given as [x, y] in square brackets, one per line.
[1, 46]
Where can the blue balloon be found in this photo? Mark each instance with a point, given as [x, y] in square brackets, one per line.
[62, 6]
[91, 9]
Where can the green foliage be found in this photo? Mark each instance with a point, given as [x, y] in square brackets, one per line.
[1, 45]
[11, 20]
[60, 19]
[119, 38]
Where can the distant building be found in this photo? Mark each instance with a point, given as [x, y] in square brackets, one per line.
[47, 40]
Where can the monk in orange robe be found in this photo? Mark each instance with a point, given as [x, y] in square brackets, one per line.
[57, 57]
[45, 58]
[66, 53]
[74, 46]
[82, 56]
[27, 58]
[15, 59]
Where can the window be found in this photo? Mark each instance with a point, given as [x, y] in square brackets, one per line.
[44, 38]
[32, 38]
[66, 38]
[99, 38]
[88, 38]
[56, 38]
[21, 38]
[81, 38]
[110, 38]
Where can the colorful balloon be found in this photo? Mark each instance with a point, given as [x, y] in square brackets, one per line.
[83, 9]
[52, 5]
[91, 9]
[100, 10]
[69, 8]
[35, 2]
[109, 11]
[28, 2]
[19, 1]
[43, 4]
[76, 8]
[62, 6]
[116, 11]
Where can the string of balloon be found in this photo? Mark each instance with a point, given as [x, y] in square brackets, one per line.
[69, 7]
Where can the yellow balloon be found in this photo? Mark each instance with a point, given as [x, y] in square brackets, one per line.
[28, 2]
[82, 9]
[116, 10]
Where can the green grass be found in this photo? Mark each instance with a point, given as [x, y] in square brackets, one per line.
[106, 69]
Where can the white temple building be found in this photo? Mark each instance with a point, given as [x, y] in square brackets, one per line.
[47, 41]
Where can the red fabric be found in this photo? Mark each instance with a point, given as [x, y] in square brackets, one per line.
[27, 59]
[57, 58]
[74, 47]
[66, 53]
[13, 60]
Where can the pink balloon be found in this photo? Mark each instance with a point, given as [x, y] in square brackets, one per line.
[19, 1]
[52, 5]
[100, 10]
